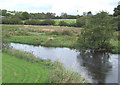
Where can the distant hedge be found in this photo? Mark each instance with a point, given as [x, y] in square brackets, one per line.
[47, 22]
[11, 21]
[63, 23]
[15, 20]
[38, 22]
[32, 22]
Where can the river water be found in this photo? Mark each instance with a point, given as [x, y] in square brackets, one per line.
[95, 67]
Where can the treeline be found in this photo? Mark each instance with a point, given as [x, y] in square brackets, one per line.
[35, 22]
[26, 15]
[14, 17]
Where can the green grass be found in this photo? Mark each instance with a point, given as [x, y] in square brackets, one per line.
[40, 35]
[45, 40]
[23, 67]
[45, 36]
[18, 71]
[69, 21]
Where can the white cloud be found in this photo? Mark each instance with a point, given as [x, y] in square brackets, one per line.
[58, 6]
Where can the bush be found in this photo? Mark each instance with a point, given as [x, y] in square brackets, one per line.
[81, 22]
[54, 33]
[63, 23]
[72, 25]
[48, 22]
[66, 33]
[119, 23]
[32, 22]
[114, 22]
[11, 21]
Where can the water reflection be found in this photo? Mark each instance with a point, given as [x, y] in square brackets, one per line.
[95, 67]
[97, 64]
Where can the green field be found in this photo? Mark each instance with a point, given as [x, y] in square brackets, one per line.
[69, 21]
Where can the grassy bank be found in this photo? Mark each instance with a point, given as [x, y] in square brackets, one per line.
[23, 67]
[18, 71]
[44, 40]
[53, 36]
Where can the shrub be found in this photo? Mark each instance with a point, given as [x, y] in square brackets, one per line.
[118, 22]
[63, 23]
[54, 33]
[48, 22]
[11, 21]
[72, 25]
[81, 21]
[66, 33]
[32, 22]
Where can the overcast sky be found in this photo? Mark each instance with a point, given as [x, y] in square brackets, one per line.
[58, 6]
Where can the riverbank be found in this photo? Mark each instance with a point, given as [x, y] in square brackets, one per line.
[23, 67]
[50, 36]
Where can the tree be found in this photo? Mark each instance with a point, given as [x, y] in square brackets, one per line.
[50, 15]
[89, 13]
[97, 33]
[117, 11]
[64, 15]
[4, 12]
[118, 22]
[84, 13]
[80, 22]
[18, 14]
[25, 15]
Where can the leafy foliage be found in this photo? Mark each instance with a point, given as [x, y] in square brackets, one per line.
[25, 16]
[66, 33]
[117, 11]
[48, 22]
[11, 21]
[81, 21]
[118, 22]
[97, 33]
[32, 22]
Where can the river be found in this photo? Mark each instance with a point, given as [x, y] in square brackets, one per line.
[95, 67]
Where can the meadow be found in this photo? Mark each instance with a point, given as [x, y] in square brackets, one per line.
[55, 36]
[50, 36]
